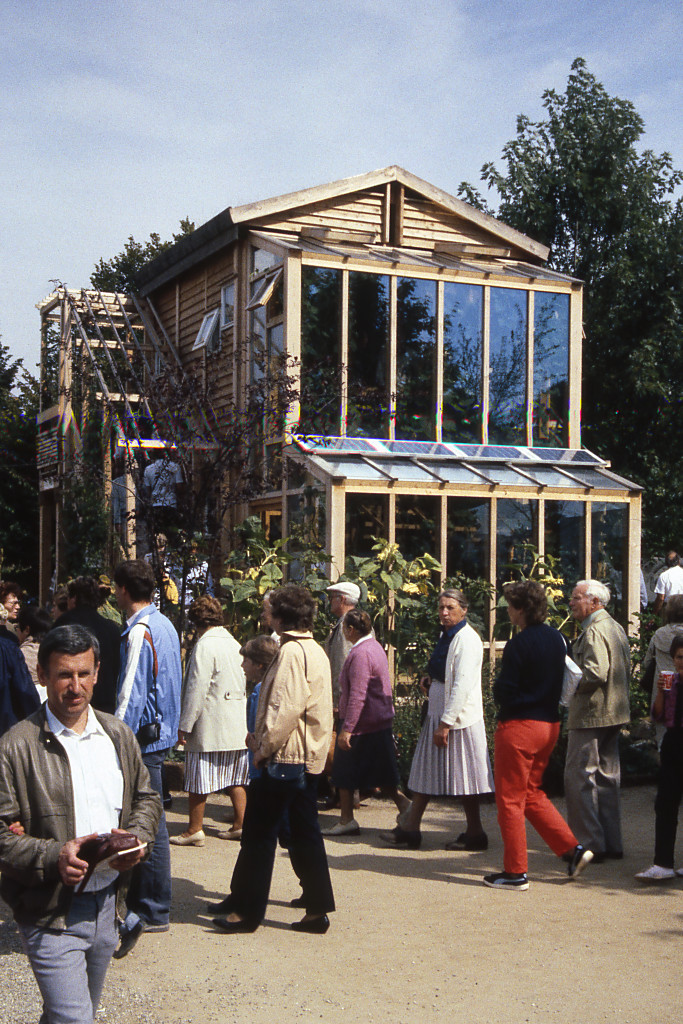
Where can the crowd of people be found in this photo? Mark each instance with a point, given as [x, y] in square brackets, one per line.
[90, 710]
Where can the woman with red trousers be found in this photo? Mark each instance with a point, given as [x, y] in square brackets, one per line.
[527, 693]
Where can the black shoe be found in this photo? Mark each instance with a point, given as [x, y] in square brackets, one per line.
[472, 843]
[298, 902]
[580, 859]
[128, 940]
[402, 838]
[315, 925]
[505, 880]
[224, 907]
[232, 927]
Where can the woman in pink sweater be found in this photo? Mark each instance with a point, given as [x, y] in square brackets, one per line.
[365, 755]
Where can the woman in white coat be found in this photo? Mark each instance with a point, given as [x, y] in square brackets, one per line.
[213, 722]
[451, 757]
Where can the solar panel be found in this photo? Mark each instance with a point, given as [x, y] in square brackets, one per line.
[566, 455]
[418, 448]
[488, 451]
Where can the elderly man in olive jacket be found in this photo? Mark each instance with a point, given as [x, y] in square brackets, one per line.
[597, 711]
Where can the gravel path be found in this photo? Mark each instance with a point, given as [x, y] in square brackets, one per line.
[416, 939]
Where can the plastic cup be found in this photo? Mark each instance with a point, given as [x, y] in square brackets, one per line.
[667, 678]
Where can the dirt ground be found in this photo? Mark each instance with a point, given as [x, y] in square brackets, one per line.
[416, 937]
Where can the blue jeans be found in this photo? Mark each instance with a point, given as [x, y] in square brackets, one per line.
[149, 896]
[70, 965]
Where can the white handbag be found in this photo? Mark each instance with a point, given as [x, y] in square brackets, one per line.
[570, 681]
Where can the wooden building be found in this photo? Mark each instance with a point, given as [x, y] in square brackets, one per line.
[439, 370]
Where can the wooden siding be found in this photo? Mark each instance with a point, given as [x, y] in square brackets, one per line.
[425, 224]
[358, 214]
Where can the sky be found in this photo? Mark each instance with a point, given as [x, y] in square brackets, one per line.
[121, 118]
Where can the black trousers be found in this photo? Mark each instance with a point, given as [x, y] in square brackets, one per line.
[668, 800]
[268, 801]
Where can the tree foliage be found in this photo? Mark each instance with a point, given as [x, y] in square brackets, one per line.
[578, 182]
[18, 471]
[118, 273]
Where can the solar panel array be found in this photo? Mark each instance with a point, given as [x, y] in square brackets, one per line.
[373, 447]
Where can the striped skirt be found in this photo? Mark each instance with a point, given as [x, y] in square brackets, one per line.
[460, 769]
[215, 770]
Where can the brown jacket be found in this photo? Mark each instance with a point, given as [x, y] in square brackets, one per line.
[294, 714]
[36, 790]
[602, 653]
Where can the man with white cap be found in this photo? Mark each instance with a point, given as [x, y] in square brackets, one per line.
[343, 597]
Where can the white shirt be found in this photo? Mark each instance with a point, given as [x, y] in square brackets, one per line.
[161, 478]
[670, 582]
[97, 782]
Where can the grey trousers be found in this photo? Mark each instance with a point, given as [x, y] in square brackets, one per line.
[591, 784]
[70, 965]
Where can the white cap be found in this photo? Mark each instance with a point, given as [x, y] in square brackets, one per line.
[351, 591]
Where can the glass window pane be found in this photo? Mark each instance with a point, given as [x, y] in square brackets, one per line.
[415, 359]
[551, 369]
[320, 351]
[468, 537]
[517, 526]
[368, 399]
[262, 260]
[564, 538]
[507, 380]
[258, 343]
[367, 517]
[462, 371]
[609, 556]
[418, 525]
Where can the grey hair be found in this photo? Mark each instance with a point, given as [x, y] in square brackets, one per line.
[455, 595]
[596, 589]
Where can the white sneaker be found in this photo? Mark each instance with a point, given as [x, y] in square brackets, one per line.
[656, 874]
[344, 828]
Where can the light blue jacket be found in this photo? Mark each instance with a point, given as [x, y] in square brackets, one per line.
[150, 638]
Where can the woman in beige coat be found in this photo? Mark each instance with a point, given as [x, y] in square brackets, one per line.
[289, 743]
[213, 722]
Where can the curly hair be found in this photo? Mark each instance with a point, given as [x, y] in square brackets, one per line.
[10, 587]
[529, 597]
[206, 611]
[358, 620]
[294, 606]
[260, 649]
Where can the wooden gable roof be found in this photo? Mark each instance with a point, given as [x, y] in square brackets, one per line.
[390, 206]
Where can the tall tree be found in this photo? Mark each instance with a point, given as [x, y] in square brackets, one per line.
[118, 273]
[18, 471]
[577, 182]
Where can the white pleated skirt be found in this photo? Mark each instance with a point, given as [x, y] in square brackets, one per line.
[210, 772]
[462, 768]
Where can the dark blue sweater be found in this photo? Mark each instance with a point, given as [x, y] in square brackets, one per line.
[530, 680]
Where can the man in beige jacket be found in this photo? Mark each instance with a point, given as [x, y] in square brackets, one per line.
[597, 711]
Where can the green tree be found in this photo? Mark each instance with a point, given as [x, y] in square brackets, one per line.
[118, 273]
[19, 492]
[577, 182]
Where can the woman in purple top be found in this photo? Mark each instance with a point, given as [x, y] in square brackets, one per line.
[667, 709]
[365, 755]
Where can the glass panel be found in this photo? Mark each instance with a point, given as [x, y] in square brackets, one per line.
[564, 538]
[507, 394]
[258, 343]
[517, 526]
[468, 537]
[418, 525]
[276, 303]
[261, 260]
[228, 305]
[320, 351]
[367, 516]
[609, 555]
[462, 371]
[415, 359]
[551, 369]
[368, 401]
